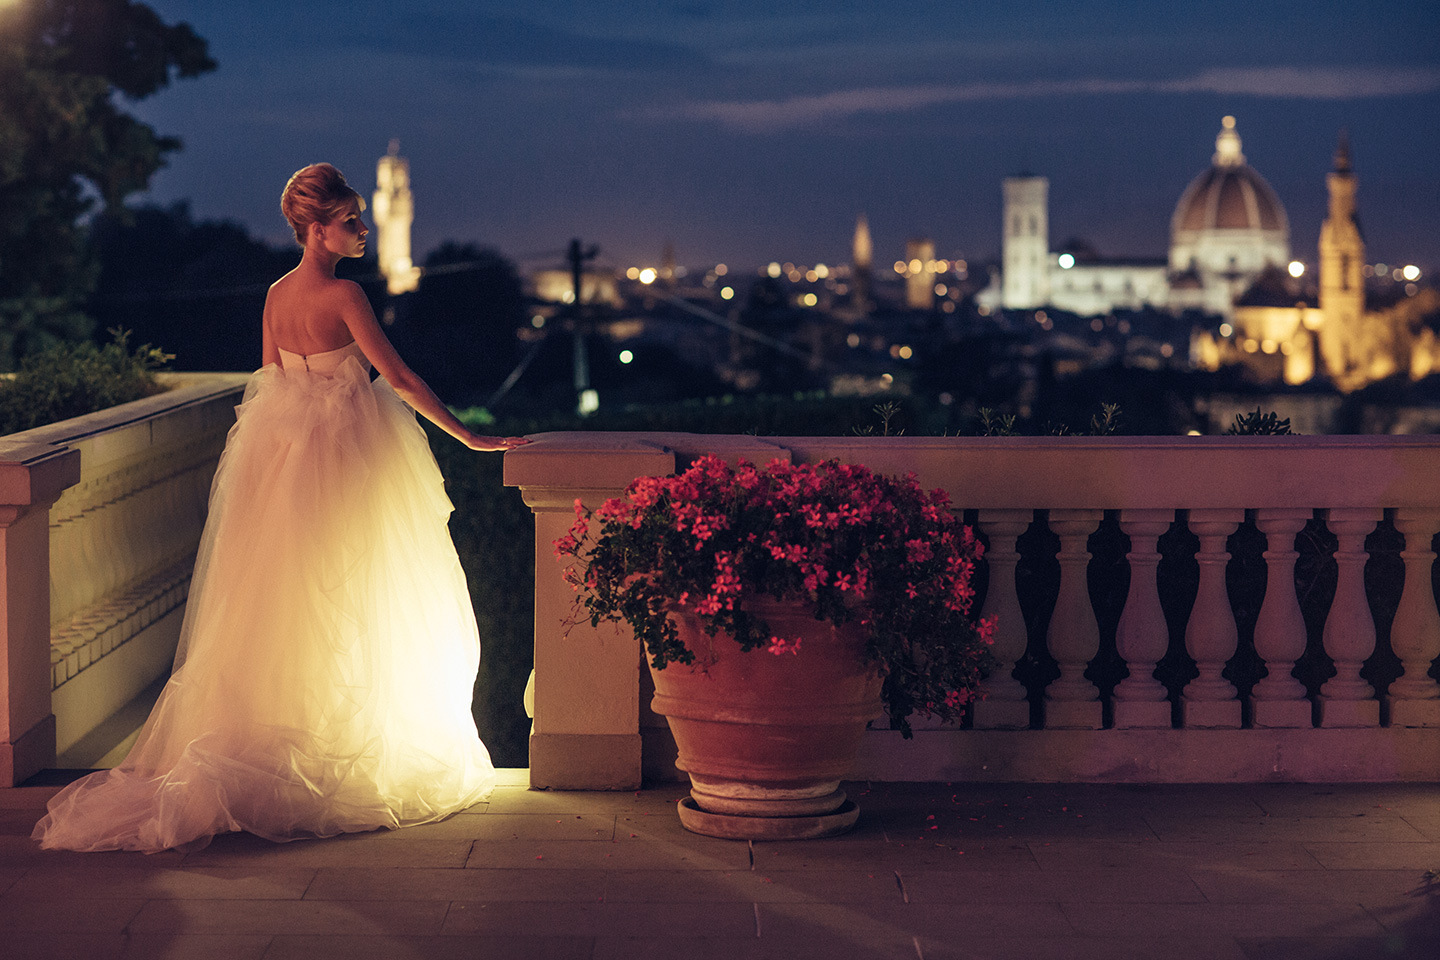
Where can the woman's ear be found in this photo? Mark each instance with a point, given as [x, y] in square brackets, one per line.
[315, 232]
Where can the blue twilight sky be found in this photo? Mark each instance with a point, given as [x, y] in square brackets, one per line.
[749, 130]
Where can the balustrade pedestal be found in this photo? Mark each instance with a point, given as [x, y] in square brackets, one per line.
[1346, 700]
[1003, 706]
[1210, 637]
[1414, 698]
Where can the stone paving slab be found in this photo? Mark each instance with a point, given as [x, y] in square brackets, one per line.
[932, 871]
[372, 917]
[1154, 854]
[1376, 856]
[497, 885]
[82, 882]
[978, 947]
[529, 947]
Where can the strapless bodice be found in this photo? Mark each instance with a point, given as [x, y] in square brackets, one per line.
[325, 362]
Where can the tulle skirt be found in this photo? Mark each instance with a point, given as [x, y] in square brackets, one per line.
[327, 660]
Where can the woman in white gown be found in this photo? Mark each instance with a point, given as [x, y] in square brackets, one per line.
[329, 651]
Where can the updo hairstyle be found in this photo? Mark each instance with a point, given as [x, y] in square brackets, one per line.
[316, 194]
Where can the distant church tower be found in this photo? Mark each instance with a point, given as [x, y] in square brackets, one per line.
[1342, 287]
[1026, 247]
[862, 257]
[394, 212]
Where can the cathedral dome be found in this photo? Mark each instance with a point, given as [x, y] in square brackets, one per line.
[1228, 196]
[1227, 228]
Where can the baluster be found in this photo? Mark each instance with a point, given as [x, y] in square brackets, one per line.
[1003, 706]
[1210, 637]
[1142, 636]
[1414, 699]
[1278, 700]
[1346, 700]
[1071, 701]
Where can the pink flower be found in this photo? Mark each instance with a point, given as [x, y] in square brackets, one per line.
[918, 551]
[779, 645]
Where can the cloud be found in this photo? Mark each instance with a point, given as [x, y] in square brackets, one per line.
[1280, 82]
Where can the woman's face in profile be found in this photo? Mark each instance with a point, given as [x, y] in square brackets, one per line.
[346, 233]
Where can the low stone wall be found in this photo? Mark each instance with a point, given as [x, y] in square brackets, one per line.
[100, 517]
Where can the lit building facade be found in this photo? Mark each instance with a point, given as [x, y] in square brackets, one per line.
[1227, 228]
[393, 208]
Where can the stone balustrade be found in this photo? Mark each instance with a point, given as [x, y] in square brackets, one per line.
[1166, 688]
[100, 517]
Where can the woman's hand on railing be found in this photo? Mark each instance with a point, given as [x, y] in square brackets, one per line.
[491, 444]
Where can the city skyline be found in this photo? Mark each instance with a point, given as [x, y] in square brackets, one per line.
[745, 132]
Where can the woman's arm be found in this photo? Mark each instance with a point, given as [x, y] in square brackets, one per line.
[360, 319]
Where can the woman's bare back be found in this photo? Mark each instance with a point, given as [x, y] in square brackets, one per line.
[304, 313]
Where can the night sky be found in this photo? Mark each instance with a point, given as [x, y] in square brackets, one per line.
[749, 130]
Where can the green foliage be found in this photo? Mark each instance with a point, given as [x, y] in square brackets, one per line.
[1107, 422]
[993, 424]
[66, 146]
[1259, 424]
[887, 412]
[70, 380]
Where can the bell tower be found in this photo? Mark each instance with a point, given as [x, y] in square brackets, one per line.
[1342, 285]
[394, 212]
[1025, 248]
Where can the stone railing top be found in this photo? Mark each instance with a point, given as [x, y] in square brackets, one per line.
[36, 464]
[185, 389]
[1040, 472]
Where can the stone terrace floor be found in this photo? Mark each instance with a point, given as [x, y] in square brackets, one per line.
[1015, 871]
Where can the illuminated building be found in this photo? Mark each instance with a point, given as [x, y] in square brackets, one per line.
[1351, 335]
[1228, 226]
[394, 212]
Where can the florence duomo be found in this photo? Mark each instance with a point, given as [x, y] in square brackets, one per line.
[1230, 256]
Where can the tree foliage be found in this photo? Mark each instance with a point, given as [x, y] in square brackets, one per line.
[68, 148]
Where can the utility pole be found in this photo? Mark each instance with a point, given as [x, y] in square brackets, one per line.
[586, 399]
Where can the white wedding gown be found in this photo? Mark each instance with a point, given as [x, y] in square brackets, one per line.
[327, 660]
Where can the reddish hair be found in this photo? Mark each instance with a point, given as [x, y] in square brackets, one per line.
[316, 194]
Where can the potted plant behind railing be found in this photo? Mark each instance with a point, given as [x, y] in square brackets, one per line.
[779, 608]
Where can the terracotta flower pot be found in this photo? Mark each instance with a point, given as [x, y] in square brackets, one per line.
[766, 738]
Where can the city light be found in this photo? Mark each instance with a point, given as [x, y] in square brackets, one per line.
[537, 321]
[809, 299]
[1067, 260]
[822, 271]
[1297, 269]
[773, 271]
[633, 273]
[1411, 272]
[648, 275]
[721, 269]
[906, 353]
[1226, 330]
[901, 266]
[727, 293]
[626, 356]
